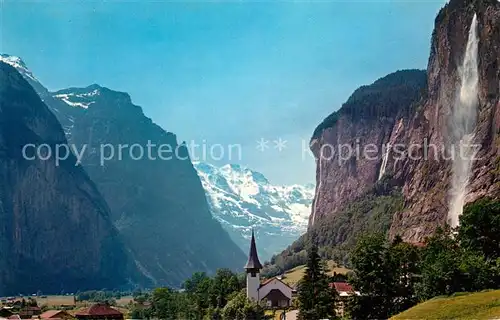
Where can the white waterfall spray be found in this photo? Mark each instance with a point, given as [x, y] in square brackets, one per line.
[463, 121]
[316, 195]
[385, 158]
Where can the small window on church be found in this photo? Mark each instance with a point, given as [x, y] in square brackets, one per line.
[253, 274]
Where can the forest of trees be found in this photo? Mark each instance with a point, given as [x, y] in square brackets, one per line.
[393, 276]
[388, 97]
[219, 297]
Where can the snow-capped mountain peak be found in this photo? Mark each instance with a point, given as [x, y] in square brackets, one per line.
[13, 61]
[19, 64]
[73, 97]
[242, 199]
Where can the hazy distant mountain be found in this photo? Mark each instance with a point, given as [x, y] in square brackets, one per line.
[241, 199]
[158, 206]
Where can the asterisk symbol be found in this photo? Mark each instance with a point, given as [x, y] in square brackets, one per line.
[280, 144]
[262, 144]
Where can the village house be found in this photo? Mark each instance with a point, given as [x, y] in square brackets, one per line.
[29, 312]
[6, 312]
[101, 311]
[272, 292]
[344, 291]
[56, 314]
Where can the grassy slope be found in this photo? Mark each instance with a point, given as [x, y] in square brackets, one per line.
[464, 306]
[293, 276]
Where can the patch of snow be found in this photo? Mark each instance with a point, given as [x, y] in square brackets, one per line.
[66, 98]
[19, 64]
[242, 199]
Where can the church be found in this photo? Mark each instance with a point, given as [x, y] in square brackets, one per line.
[272, 292]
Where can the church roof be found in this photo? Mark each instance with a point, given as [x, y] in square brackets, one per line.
[253, 259]
[266, 282]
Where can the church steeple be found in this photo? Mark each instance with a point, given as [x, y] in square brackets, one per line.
[253, 267]
[253, 262]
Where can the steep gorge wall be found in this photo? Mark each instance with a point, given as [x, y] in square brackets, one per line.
[56, 233]
[372, 117]
[428, 181]
[157, 201]
[420, 117]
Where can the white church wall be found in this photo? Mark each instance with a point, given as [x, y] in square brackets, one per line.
[253, 284]
[275, 284]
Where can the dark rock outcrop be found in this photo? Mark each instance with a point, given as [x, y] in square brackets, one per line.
[55, 231]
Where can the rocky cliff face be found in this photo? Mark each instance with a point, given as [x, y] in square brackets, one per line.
[349, 146]
[56, 233]
[428, 182]
[422, 130]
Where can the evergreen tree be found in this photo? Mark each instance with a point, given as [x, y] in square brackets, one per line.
[373, 277]
[405, 260]
[224, 283]
[386, 275]
[316, 298]
[480, 227]
[164, 304]
[200, 292]
[440, 266]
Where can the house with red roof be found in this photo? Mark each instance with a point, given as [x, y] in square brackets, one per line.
[344, 291]
[101, 311]
[56, 314]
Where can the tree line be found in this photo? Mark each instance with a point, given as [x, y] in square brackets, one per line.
[392, 276]
[221, 297]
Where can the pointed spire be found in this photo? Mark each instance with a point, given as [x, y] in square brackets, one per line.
[253, 258]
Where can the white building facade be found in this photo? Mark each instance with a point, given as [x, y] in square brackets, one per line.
[271, 293]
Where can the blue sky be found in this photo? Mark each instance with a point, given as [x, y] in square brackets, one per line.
[224, 72]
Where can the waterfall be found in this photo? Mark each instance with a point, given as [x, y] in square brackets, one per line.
[316, 195]
[384, 162]
[463, 121]
[386, 149]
